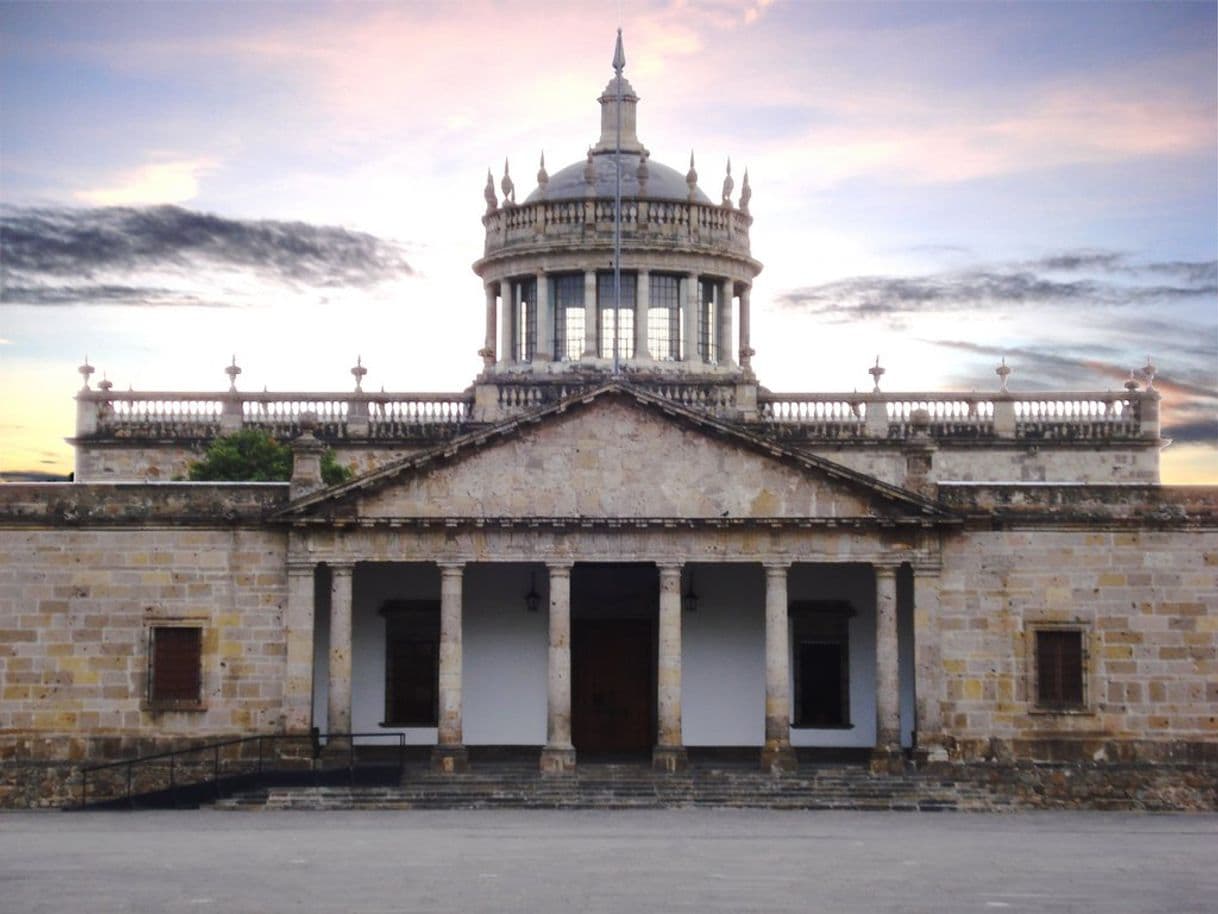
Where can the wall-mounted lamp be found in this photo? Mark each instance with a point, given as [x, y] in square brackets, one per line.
[689, 600]
[532, 599]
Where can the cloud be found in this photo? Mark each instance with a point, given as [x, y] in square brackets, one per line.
[1038, 283]
[155, 183]
[165, 255]
[4, 342]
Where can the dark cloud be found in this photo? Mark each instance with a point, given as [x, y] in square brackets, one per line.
[1092, 278]
[82, 256]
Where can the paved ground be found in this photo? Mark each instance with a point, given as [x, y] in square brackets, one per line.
[647, 860]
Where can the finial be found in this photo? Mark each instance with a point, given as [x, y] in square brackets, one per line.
[728, 184]
[876, 373]
[85, 370]
[543, 177]
[746, 193]
[359, 371]
[691, 177]
[1148, 372]
[105, 385]
[1132, 384]
[492, 202]
[232, 371]
[589, 170]
[619, 55]
[642, 172]
[1003, 371]
[509, 189]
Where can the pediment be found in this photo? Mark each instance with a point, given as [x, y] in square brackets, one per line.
[614, 454]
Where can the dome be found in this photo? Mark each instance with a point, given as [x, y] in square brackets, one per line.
[663, 183]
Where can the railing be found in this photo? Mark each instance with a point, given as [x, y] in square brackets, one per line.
[666, 222]
[1050, 416]
[200, 771]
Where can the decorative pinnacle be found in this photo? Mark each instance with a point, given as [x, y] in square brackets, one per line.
[543, 177]
[105, 384]
[492, 202]
[509, 189]
[1148, 372]
[691, 177]
[359, 371]
[85, 370]
[1132, 383]
[619, 55]
[1003, 371]
[746, 193]
[232, 371]
[728, 184]
[876, 373]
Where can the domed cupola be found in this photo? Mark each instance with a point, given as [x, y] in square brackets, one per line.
[617, 263]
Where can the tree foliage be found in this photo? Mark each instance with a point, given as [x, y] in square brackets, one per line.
[252, 455]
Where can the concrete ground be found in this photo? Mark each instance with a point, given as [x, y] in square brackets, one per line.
[646, 860]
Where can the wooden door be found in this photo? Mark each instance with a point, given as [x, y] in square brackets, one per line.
[611, 679]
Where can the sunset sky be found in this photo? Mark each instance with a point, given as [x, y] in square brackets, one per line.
[944, 184]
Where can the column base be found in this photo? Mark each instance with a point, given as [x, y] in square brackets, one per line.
[449, 759]
[779, 760]
[887, 760]
[557, 761]
[669, 758]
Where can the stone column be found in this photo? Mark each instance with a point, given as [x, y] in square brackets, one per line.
[591, 327]
[545, 321]
[558, 757]
[746, 349]
[507, 324]
[777, 756]
[298, 625]
[488, 348]
[887, 753]
[928, 668]
[669, 753]
[338, 718]
[723, 333]
[690, 310]
[449, 754]
[642, 302]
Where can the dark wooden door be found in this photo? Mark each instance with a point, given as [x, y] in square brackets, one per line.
[611, 685]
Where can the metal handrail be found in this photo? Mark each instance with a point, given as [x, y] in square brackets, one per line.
[317, 740]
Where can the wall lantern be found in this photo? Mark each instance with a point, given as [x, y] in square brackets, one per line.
[532, 599]
[689, 600]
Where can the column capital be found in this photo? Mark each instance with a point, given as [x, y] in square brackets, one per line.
[301, 567]
[886, 569]
[451, 568]
[774, 567]
[340, 567]
[560, 567]
[670, 566]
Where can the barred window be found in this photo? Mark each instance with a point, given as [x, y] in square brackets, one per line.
[175, 669]
[1059, 668]
[625, 316]
[708, 320]
[568, 316]
[664, 317]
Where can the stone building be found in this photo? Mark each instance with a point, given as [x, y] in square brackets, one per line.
[617, 543]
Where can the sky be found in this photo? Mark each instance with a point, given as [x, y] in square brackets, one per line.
[943, 185]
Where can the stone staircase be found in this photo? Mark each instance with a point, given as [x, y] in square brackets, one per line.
[636, 786]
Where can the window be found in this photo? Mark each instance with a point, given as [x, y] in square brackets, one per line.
[664, 318]
[175, 668]
[412, 663]
[625, 316]
[568, 316]
[1059, 668]
[708, 322]
[821, 648]
[524, 319]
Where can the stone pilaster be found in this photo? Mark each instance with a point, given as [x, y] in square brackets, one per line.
[558, 757]
[642, 302]
[723, 333]
[488, 347]
[298, 624]
[338, 717]
[449, 755]
[507, 324]
[777, 756]
[887, 753]
[545, 321]
[690, 294]
[669, 753]
[746, 347]
[928, 668]
[591, 317]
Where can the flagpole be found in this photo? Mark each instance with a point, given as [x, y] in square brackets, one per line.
[619, 61]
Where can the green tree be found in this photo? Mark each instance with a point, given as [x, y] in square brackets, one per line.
[252, 455]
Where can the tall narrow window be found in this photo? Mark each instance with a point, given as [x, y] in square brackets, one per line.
[524, 318]
[606, 302]
[1059, 668]
[708, 323]
[820, 635]
[412, 663]
[568, 316]
[664, 317]
[175, 671]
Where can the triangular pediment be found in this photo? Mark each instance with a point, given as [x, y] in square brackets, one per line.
[616, 453]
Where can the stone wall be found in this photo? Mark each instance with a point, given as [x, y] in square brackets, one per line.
[1146, 601]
